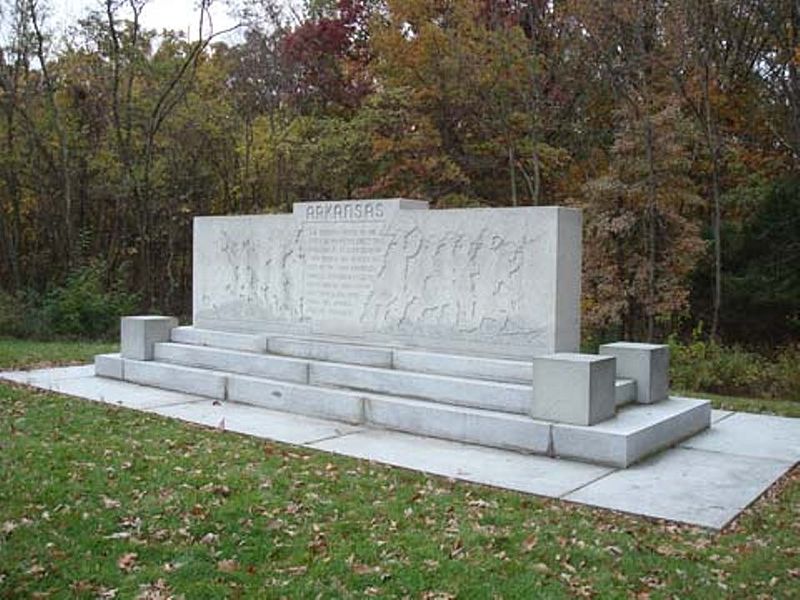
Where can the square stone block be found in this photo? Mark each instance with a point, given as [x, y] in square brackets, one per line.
[646, 364]
[108, 365]
[138, 334]
[573, 388]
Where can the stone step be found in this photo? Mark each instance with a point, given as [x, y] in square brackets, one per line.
[374, 356]
[637, 431]
[201, 382]
[233, 361]
[326, 403]
[460, 365]
[476, 393]
[458, 423]
[457, 365]
[624, 391]
[473, 393]
[219, 339]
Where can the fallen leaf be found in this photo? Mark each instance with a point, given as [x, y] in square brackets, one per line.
[541, 568]
[362, 569]
[529, 543]
[209, 538]
[127, 561]
[228, 566]
[110, 503]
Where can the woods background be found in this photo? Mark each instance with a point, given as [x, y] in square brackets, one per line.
[674, 125]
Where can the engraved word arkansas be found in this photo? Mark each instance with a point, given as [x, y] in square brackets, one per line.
[344, 211]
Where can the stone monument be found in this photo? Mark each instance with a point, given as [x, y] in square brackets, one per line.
[462, 324]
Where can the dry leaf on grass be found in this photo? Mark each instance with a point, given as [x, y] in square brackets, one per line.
[228, 566]
[127, 561]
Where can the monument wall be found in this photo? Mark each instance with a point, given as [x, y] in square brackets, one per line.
[502, 281]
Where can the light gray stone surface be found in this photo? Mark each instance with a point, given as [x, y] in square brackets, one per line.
[624, 392]
[220, 339]
[745, 434]
[108, 365]
[705, 488]
[718, 415]
[487, 428]
[489, 466]
[139, 333]
[374, 356]
[459, 365]
[694, 486]
[176, 377]
[505, 397]
[234, 361]
[637, 431]
[504, 281]
[326, 403]
[37, 376]
[646, 364]
[255, 421]
[573, 388]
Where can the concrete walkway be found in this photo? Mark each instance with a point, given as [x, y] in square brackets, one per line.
[707, 481]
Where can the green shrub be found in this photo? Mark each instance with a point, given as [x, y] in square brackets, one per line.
[85, 306]
[20, 315]
[704, 365]
[784, 374]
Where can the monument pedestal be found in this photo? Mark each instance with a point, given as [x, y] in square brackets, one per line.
[458, 324]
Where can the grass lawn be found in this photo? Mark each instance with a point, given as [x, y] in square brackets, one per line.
[97, 501]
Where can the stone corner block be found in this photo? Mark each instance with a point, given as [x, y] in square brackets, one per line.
[646, 364]
[138, 334]
[108, 365]
[573, 388]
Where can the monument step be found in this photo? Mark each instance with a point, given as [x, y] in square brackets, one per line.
[634, 433]
[234, 361]
[374, 356]
[475, 393]
[219, 339]
[403, 358]
[624, 391]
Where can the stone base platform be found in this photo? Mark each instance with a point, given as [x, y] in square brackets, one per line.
[706, 480]
[468, 399]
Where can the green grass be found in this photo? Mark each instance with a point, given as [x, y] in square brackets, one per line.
[212, 514]
[785, 408]
[16, 353]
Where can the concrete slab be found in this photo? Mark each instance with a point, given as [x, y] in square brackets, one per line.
[694, 486]
[743, 434]
[510, 470]
[34, 376]
[251, 420]
[701, 487]
[717, 415]
[111, 391]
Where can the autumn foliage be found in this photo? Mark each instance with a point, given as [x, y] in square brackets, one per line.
[674, 126]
